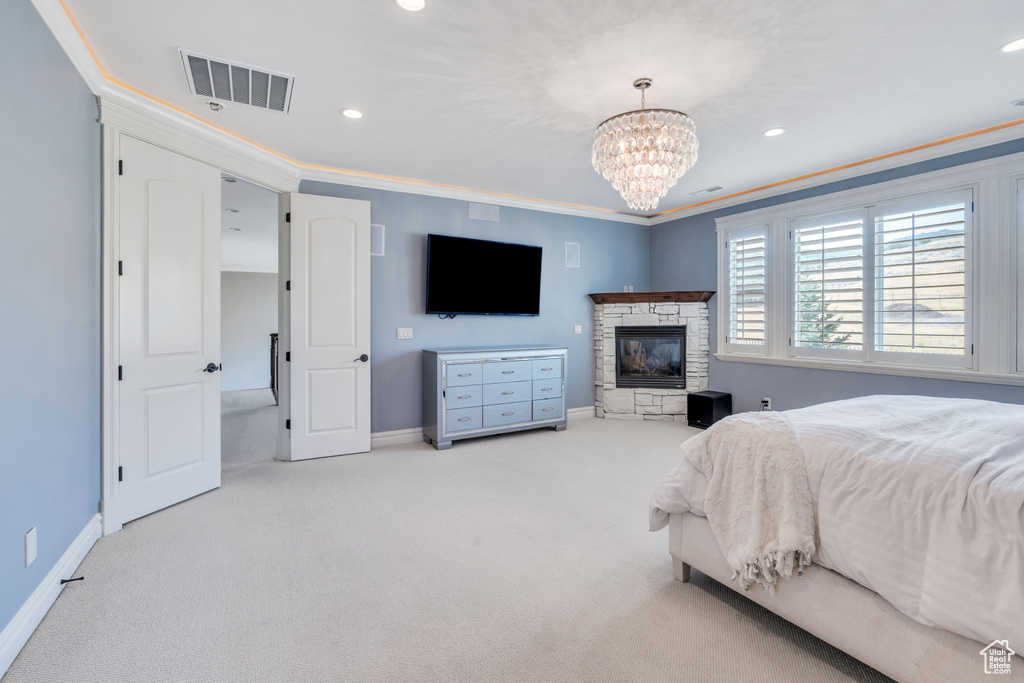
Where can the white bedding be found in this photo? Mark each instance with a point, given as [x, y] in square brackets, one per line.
[919, 499]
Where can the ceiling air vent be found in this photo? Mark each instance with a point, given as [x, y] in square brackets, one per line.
[215, 78]
[708, 190]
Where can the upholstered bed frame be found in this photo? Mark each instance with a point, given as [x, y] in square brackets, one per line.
[845, 614]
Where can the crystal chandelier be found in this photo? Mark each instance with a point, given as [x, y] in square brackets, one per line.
[643, 153]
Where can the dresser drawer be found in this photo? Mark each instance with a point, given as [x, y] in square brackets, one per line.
[509, 413]
[547, 388]
[461, 419]
[460, 374]
[464, 397]
[549, 409]
[507, 371]
[549, 367]
[508, 392]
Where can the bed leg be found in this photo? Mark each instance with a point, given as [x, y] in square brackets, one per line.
[682, 570]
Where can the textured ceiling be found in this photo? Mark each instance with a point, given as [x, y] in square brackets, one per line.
[504, 96]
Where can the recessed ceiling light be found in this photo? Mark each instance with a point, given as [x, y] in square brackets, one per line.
[772, 132]
[352, 113]
[230, 180]
[1013, 46]
[231, 210]
[235, 229]
[411, 5]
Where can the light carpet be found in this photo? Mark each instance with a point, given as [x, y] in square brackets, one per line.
[523, 557]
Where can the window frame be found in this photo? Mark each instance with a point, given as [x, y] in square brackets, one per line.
[965, 360]
[725, 237]
[994, 264]
[793, 350]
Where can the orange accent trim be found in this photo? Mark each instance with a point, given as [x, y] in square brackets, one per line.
[364, 174]
[115, 81]
[880, 157]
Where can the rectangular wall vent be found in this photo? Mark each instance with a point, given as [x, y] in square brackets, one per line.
[222, 80]
[708, 190]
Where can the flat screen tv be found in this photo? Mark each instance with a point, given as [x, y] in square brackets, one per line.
[479, 277]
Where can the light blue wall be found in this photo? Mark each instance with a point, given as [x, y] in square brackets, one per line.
[613, 254]
[683, 256]
[50, 308]
[248, 314]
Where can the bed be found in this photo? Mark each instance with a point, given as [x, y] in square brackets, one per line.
[917, 508]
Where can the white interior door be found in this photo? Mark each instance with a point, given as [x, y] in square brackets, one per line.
[168, 405]
[329, 330]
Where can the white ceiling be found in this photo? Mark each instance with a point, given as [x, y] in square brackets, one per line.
[504, 96]
[248, 237]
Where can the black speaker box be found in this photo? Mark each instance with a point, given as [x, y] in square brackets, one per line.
[705, 408]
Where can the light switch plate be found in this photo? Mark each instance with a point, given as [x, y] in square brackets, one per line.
[405, 333]
[577, 329]
[30, 546]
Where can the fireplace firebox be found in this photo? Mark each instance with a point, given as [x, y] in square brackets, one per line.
[650, 356]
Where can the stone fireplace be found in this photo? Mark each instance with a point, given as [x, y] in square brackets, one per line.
[652, 350]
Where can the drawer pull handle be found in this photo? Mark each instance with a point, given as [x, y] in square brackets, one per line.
[508, 372]
[465, 397]
[544, 410]
[507, 393]
[546, 369]
[465, 374]
[547, 388]
[465, 419]
[507, 414]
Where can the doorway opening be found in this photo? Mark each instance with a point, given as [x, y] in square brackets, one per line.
[249, 324]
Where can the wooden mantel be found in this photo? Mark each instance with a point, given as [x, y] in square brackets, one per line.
[650, 297]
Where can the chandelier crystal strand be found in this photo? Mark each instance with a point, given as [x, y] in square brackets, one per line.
[644, 153]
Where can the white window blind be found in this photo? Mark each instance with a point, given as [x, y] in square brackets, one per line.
[920, 279]
[747, 289]
[828, 283]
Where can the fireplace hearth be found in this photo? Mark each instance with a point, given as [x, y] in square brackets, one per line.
[650, 356]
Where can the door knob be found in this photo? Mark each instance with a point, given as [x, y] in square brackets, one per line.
[363, 358]
[212, 367]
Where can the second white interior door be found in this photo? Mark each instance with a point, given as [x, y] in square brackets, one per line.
[329, 327]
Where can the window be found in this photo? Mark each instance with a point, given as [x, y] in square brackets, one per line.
[872, 283]
[921, 277]
[747, 263]
[828, 283]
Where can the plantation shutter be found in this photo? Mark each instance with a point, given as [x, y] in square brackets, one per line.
[828, 282]
[746, 262]
[1020, 276]
[921, 276]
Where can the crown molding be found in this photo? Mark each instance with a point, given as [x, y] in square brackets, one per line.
[933, 151]
[138, 114]
[68, 37]
[448, 192]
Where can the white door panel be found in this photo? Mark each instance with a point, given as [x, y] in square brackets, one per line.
[168, 446]
[330, 326]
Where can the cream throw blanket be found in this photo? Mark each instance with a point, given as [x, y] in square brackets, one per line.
[758, 501]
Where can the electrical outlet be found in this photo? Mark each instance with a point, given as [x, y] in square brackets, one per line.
[577, 329]
[30, 546]
[405, 333]
[625, 288]
[766, 404]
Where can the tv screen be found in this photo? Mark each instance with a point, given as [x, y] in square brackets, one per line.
[478, 277]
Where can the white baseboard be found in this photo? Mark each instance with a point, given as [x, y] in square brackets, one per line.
[577, 413]
[399, 436]
[17, 632]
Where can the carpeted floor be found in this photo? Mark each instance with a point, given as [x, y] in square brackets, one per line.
[515, 558]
